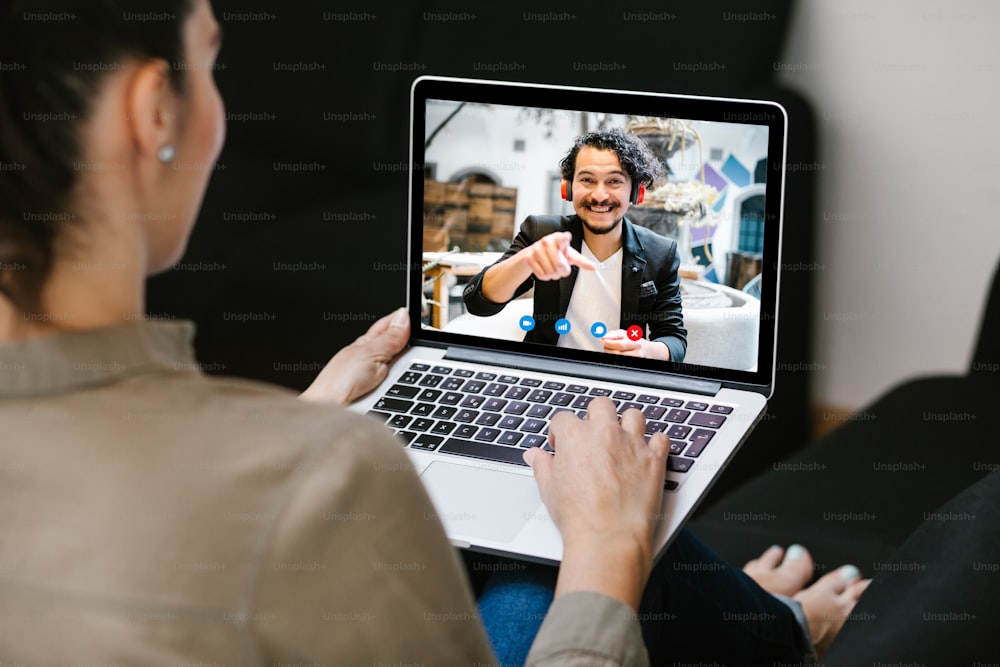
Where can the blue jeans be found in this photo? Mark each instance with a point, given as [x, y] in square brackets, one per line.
[695, 608]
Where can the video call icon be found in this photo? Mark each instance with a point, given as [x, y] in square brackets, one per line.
[527, 323]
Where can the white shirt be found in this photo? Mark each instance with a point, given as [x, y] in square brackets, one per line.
[597, 297]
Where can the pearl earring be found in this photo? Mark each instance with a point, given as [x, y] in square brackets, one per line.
[166, 154]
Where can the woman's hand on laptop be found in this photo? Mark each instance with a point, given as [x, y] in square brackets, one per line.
[603, 488]
[361, 366]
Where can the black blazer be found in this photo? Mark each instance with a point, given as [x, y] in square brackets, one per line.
[650, 293]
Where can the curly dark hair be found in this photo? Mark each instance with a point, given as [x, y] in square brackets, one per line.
[637, 159]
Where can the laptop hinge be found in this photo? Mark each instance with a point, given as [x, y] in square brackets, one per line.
[577, 369]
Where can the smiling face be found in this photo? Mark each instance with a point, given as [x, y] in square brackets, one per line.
[601, 189]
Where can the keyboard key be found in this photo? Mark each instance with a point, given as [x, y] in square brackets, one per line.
[533, 425]
[430, 380]
[576, 389]
[679, 463]
[426, 442]
[655, 427]
[647, 398]
[488, 418]
[473, 401]
[677, 446]
[463, 373]
[517, 393]
[554, 386]
[419, 367]
[631, 405]
[670, 485]
[399, 421]
[510, 438]
[509, 379]
[441, 370]
[393, 405]
[444, 412]
[495, 389]
[487, 434]
[510, 422]
[678, 431]
[677, 416]
[421, 424]
[466, 431]
[538, 411]
[486, 376]
[402, 391]
[450, 398]
[405, 436]
[473, 386]
[672, 402]
[582, 402]
[699, 440]
[696, 405]
[410, 377]
[482, 450]
[532, 440]
[721, 409]
[562, 399]
[695, 449]
[443, 428]
[600, 391]
[540, 396]
[452, 383]
[466, 416]
[654, 411]
[531, 382]
[429, 395]
[708, 419]
[516, 408]
[422, 409]
[494, 404]
[623, 395]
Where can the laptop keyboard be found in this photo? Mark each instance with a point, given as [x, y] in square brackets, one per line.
[454, 410]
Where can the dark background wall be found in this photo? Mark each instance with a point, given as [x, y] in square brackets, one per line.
[296, 250]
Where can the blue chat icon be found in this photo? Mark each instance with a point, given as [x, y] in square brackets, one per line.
[598, 329]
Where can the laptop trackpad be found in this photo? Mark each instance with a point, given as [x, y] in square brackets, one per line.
[479, 502]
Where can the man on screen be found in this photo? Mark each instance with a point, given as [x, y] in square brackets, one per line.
[601, 283]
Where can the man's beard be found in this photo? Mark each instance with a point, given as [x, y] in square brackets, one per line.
[599, 230]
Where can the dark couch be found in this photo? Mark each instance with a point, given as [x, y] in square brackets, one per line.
[909, 491]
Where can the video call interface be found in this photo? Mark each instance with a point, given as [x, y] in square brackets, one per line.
[487, 167]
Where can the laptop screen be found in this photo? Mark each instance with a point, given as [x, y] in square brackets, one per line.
[532, 234]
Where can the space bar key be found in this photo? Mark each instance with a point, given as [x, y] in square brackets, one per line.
[483, 450]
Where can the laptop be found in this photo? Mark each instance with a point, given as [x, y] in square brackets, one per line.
[469, 394]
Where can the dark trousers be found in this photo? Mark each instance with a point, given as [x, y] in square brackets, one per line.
[695, 609]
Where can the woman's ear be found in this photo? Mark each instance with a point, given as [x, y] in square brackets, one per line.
[152, 109]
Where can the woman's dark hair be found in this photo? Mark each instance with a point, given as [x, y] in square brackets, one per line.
[638, 161]
[54, 55]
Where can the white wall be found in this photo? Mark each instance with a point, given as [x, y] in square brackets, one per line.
[907, 95]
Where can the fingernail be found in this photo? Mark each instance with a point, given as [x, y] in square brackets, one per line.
[401, 318]
[795, 551]
[528, 455]
[773, 547]
[849, 572]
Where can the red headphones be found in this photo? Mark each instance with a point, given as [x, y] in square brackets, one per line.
[635, 197]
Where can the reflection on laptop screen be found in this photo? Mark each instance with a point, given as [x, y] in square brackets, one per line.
[681, 271]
